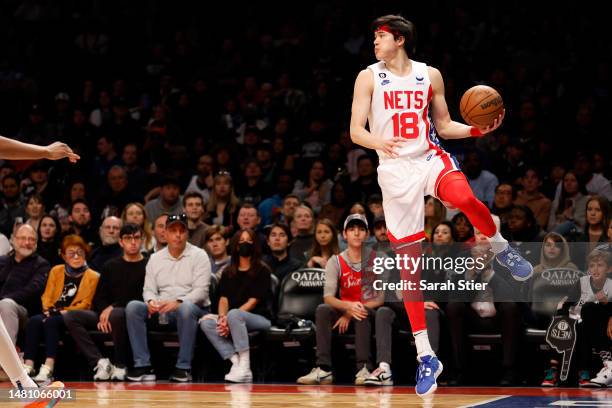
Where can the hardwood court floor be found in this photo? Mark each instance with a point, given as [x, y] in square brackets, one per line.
[162, 395]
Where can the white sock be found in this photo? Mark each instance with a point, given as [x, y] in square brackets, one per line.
[421, 340]
[245, 359]
[234, 359]
[498, 243]
[10, 362]
[385, 367]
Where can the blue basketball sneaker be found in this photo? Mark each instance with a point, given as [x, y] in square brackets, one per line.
[428, 371]
[519, 267]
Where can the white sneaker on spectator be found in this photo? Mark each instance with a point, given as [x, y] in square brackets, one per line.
[103, 370]
[316, 376]
[380, 376]
[241, 374]
[604, 376]
[362, 375]
[45, 375]
[29, 369]
[118, 374]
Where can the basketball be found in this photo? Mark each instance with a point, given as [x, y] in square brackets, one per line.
[481, 105]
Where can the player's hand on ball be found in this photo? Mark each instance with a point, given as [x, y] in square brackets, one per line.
[391, 146]
[59, 150]
[496, 123]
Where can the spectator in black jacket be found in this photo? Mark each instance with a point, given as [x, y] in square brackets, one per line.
[280, 261]
[109, 238]
[23, 276]
[121, 281]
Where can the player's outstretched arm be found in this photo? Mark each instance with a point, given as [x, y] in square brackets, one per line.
[445, 126]
[16, 150]
[362, 98]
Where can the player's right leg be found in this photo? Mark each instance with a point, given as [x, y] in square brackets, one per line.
[454, 189]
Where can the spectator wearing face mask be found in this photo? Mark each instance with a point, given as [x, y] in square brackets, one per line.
[243, 306]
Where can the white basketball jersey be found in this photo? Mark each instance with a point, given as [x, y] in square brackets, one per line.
[400, 108]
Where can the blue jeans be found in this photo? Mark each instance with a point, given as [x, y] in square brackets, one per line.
[240, 323]
[186, 320]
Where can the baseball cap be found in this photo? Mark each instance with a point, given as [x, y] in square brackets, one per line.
[174, 218]
[355, 219]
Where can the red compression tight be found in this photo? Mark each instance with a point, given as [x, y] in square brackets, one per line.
[455, 190]
[413, 299]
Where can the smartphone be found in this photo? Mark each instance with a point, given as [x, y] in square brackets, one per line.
[18, 221]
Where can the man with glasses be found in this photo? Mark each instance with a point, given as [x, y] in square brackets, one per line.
[109, 238]
[121, 281]
[23, 275]
[175, 292]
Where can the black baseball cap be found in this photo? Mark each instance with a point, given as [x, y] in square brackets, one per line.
[174, 218]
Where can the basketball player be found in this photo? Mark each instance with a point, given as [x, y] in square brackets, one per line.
[402, 101]
[9, 360]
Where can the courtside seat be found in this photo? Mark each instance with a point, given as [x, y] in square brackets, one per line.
[300, 293]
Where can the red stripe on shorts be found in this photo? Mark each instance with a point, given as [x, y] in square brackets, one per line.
[410, 238]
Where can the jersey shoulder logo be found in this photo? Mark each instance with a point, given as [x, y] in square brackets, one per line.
[420, 80]
[382, 75]
[385, 82]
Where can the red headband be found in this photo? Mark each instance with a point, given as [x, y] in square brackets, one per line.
[386, 29]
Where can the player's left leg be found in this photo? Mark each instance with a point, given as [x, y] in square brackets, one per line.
[405, 213]
[10, 362]
[454, 189]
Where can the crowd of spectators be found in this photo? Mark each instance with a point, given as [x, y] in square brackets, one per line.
[240, 124]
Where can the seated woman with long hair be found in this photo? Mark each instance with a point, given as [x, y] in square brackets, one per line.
[49, 232]
[134, 213]
[325, 244]
[243, 305]
[70, 286]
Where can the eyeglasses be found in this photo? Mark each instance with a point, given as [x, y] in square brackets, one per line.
[224, 173]
[28, 239]
[131, 238]
[73, 254]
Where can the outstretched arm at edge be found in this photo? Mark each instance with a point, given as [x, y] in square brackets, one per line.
[15, 150]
